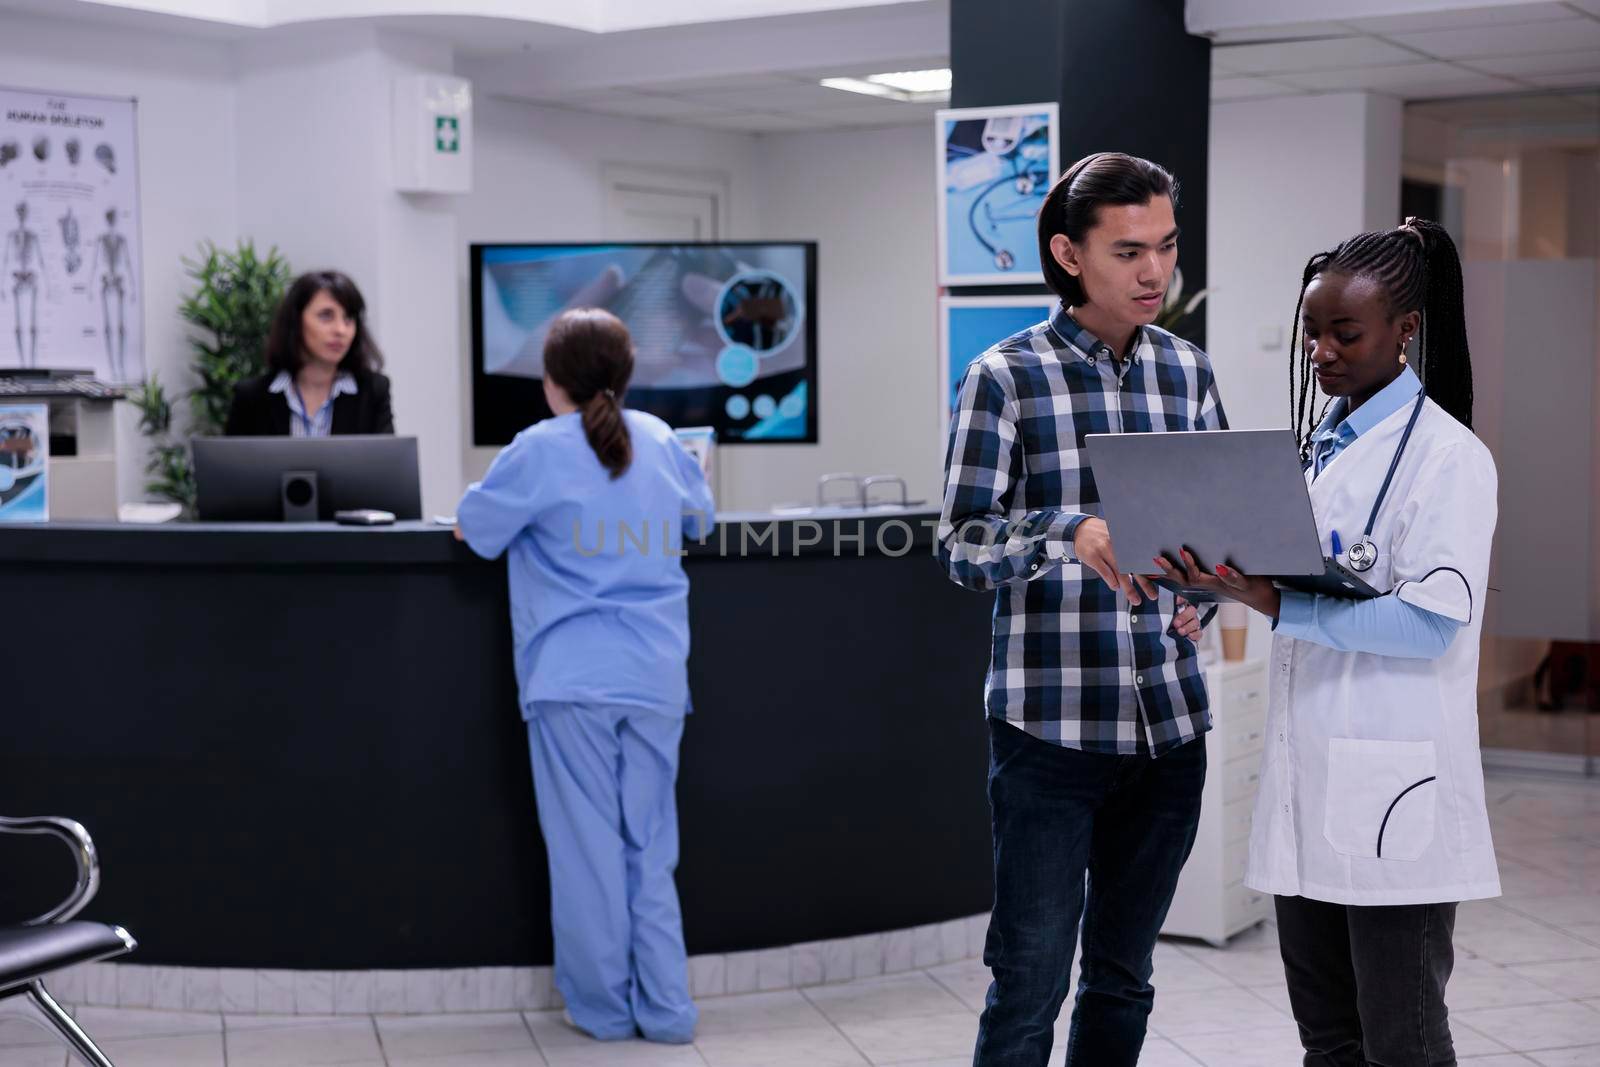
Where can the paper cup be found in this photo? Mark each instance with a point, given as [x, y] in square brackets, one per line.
[1234, 621]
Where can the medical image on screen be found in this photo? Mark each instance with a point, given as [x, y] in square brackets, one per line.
[722, 332]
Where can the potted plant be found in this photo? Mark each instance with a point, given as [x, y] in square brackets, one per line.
[231, 307]
[1175, 312]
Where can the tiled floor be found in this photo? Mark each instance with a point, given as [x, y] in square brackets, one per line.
[1526, 991]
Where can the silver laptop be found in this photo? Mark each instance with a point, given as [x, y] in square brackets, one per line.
[1230, 496]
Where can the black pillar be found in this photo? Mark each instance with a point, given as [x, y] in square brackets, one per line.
[1128, 78]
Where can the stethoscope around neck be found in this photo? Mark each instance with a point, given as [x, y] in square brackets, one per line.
[1364, 553]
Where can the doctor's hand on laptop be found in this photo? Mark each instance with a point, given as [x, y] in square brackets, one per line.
[1258, 593]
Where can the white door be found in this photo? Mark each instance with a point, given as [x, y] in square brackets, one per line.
[664, 205]
[654, 215]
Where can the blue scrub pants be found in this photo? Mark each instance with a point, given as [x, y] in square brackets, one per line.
[604, 779]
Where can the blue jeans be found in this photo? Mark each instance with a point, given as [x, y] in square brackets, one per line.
[1080, 835]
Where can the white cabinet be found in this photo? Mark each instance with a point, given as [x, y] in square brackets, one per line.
[1212, 902]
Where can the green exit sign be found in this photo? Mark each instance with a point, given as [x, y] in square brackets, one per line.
[446, 134]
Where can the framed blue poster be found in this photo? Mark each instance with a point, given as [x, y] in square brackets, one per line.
[968, 327]
[24, 462]
[996, 166]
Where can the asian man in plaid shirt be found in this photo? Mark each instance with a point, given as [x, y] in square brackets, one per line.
[1096, 705]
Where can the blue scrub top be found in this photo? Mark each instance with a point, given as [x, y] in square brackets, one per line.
[599, 600]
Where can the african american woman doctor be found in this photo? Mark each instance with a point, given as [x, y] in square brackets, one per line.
[590, 506]
[1370, 824]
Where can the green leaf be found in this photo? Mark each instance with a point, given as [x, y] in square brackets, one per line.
[230, 307]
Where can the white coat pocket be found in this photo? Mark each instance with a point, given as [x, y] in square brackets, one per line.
[1381, 798]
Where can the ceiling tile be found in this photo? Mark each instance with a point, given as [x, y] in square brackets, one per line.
[1308, 55]
[1450, 90]
[1249, 89]
[639, 105]
[1404, 80]
[753, 122]
[584, 100]
[776, 96]
[1498, 111]
[882, 66]
[1286, 32]
[685, 86]
[1565, 35]
[1578, 80]
[1541, 63]
[875, 114]
[1464, 18]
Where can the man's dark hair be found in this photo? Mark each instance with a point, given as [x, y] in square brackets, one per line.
[1073, 206]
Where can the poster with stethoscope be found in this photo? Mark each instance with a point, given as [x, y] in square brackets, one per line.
[968, 327]
[24, 461]
[996, 165]
[69, 235]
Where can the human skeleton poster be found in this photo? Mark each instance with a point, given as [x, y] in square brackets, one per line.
[71, 285]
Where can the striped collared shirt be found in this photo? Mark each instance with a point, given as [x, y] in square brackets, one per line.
[1071, 662]
[319, 424]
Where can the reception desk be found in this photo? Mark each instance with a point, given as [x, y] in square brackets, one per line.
[300, 747]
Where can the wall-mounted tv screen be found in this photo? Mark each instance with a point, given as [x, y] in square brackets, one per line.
[724, 333]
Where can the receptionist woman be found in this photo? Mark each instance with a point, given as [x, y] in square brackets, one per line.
[322, 368]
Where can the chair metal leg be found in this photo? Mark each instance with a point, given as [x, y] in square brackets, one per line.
[47, 1011]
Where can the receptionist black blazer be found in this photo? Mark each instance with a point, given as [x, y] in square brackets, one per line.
[256, 412]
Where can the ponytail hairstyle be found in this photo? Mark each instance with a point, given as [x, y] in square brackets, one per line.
[589, 354]
[1417, 265]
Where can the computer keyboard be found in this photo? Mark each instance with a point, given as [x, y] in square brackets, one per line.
[88, 388]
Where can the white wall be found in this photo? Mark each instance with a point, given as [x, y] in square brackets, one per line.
[1540, 437]
[418, 294]
[1289, 177]
[315, 178]
[186, 157]
[310, 154]
[538, 178]
[867, 198]
[285, 140]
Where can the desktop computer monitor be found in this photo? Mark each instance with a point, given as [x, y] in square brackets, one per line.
[304, 479]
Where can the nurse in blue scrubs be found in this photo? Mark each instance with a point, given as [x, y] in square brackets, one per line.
[591, 507]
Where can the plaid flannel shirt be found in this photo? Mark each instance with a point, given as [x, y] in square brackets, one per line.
[1071, 662]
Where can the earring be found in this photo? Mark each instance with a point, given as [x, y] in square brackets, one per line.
[1403, 342]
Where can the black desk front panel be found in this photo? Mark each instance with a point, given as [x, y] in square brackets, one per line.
[317, 762]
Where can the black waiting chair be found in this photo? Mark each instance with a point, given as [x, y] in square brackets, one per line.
[40, 947]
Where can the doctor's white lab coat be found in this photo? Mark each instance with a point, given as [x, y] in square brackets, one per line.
[1371, 782]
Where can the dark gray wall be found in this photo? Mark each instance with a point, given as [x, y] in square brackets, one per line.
[1127, 75]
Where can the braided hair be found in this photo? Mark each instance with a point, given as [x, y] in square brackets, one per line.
[1418, 267]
